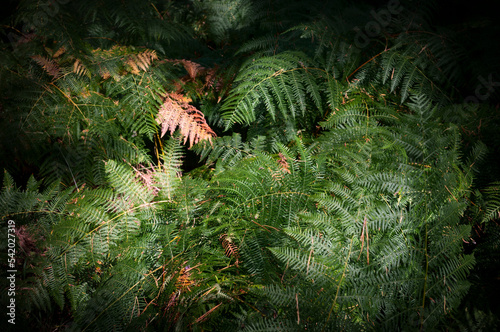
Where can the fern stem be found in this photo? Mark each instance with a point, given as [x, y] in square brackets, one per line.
[369, 60]
[425, 279]
[340, 283]
[71, 100]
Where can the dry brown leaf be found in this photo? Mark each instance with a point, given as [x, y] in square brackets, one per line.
[184, 281]
[285, 167]
[59, 52]
[50, 66]
[104, 73]
[230, 249]
[79, 68]
[176, 112]
[141, 61]
[192, 68]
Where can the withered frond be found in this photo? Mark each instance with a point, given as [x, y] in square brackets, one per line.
[177, 112]
[79, 68]
[192, 68]
[59, 52]
[141, 61]
[185, 279]
[285, 167]
[230, 249]
[50, 66]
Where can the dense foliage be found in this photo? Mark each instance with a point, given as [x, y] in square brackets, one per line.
[250, 165]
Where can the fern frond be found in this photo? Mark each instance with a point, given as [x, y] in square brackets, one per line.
[492, 206]
[167, 176]
[50, 66]
[177, 112]
[279, 83]
[141, 61]
[230, 249]
[79, 68]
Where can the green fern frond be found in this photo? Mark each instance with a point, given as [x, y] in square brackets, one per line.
[276, 82]
[492, 202]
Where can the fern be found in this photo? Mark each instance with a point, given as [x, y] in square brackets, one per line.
[277, 83]
[175, 111]
[380, 225]
[330, 182]
[50, 66]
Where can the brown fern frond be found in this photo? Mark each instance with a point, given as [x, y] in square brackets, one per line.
[177, 112]
[60, 51]
[192, 68]
[141, 61]
[105, 74]
[50, 66]
[79, 68]
[184, 281]
[230, 249]
[285, 167]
